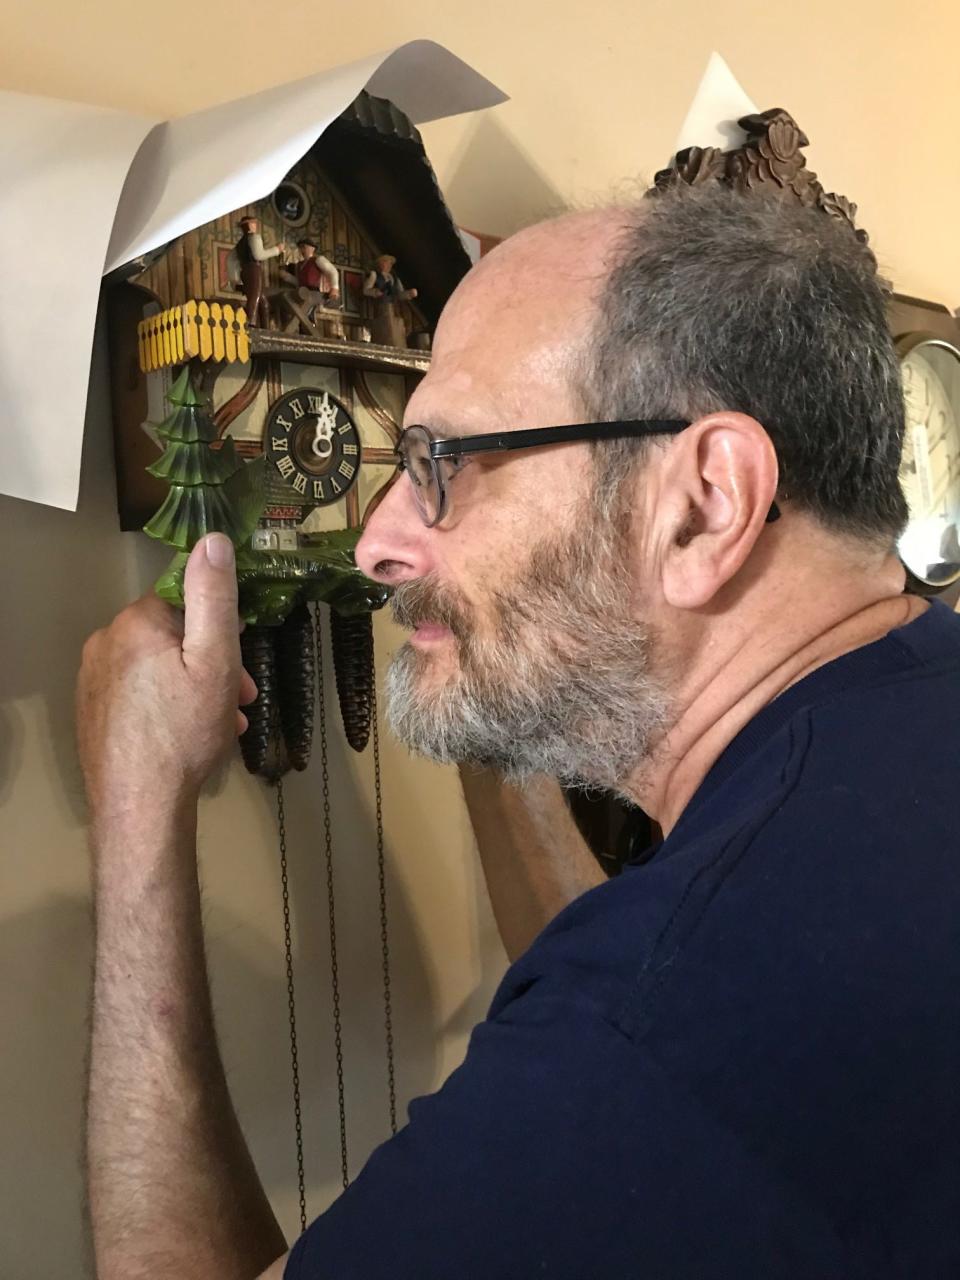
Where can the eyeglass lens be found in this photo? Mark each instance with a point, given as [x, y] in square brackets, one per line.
[422, 469]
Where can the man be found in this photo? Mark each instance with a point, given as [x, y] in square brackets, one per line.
[251, 254]
[387, 289]
[739, 1059]
[316, 273]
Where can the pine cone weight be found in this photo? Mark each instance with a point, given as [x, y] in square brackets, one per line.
[352, 640]
[296, 684]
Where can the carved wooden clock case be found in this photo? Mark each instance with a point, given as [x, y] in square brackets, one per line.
[260, 366]
[283, 373]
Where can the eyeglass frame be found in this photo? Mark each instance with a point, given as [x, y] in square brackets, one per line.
[533, 437]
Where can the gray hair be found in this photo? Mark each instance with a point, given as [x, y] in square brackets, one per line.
[716, 300]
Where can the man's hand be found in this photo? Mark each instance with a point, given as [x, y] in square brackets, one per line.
[158, 692]
[172, 1189]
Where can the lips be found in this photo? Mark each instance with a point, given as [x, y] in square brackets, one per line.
[428, 631]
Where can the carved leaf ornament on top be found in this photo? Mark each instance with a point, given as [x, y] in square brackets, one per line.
[770, 162]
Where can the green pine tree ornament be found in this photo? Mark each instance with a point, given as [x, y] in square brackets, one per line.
[216, 491]
[211, 490]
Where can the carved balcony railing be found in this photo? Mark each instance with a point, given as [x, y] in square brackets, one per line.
[193, 330]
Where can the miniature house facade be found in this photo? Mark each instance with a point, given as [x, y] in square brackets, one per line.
[260, 368]
[360, 255]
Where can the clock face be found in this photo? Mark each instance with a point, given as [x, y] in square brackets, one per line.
[314, 443]
[930, 466]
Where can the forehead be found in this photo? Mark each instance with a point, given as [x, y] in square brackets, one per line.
[509, 341]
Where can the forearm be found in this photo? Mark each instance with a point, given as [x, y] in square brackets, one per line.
[534, 859]
[173, 1191]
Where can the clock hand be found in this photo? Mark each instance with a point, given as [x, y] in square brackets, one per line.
[322, 446]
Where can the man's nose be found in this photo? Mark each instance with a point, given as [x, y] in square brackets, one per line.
[395, 545]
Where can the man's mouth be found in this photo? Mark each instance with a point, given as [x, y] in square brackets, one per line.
[429, 633]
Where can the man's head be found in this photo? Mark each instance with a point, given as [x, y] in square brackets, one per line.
[557, 603]
[717, 302]
[248, 225]
[307, 249]
[385, 263]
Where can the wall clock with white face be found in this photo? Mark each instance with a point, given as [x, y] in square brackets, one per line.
[930, 467]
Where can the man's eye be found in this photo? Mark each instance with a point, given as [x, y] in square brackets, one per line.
[457, 462]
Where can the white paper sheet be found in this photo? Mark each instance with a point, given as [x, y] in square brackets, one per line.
[84, 190]
[62, 168]
[196, 168]
[720, 101]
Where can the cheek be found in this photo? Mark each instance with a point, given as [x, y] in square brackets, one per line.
[501, 511]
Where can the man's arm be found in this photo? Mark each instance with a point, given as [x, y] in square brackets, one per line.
[257, 250]
[172, 1189]
[535, 860]
[331, 274]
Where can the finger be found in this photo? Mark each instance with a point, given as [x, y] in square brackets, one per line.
[248, 688]
[210, 602]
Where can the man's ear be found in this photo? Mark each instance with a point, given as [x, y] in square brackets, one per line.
[718, 485]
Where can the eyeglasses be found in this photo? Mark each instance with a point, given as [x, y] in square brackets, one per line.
[432, 463]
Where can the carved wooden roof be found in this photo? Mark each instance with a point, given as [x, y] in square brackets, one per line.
[376, 158]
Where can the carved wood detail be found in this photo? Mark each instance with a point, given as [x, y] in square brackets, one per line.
[771, 162]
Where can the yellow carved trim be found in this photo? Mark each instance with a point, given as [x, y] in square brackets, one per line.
[197, 328]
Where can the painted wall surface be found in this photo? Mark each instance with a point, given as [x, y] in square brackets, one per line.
[598, 97]
[598, 94]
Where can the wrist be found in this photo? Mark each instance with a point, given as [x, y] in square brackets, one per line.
[142, 829]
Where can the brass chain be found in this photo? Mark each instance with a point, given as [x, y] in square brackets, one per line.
[384, 934]
[291, 1003]
[331, 902]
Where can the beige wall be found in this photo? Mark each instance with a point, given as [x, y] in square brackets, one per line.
[598, 90]
[598, 94]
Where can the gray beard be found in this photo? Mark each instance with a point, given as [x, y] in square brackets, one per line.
[564, 689]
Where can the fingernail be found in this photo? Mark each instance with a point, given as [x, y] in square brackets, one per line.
[220, 551]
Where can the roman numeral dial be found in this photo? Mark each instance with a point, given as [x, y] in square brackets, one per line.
[314, 444]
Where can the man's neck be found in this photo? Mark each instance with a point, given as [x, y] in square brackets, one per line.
[740, 676]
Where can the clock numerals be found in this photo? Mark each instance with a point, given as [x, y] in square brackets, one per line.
[319, 452]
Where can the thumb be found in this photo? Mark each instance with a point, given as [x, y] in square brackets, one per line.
[210, 625]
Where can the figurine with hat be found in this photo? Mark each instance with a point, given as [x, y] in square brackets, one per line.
[250, 255]
[316, 277]
[385, 286]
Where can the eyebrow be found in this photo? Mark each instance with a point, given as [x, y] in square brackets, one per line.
[439, 428]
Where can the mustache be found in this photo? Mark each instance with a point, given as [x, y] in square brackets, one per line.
[426, 600]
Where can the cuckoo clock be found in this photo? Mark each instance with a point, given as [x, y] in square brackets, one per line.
[284, 339]
[260, 367]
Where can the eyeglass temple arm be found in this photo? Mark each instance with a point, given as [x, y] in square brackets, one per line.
[568, 433]
[574, 431]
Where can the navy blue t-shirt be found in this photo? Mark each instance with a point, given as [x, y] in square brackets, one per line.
[741, 1059]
